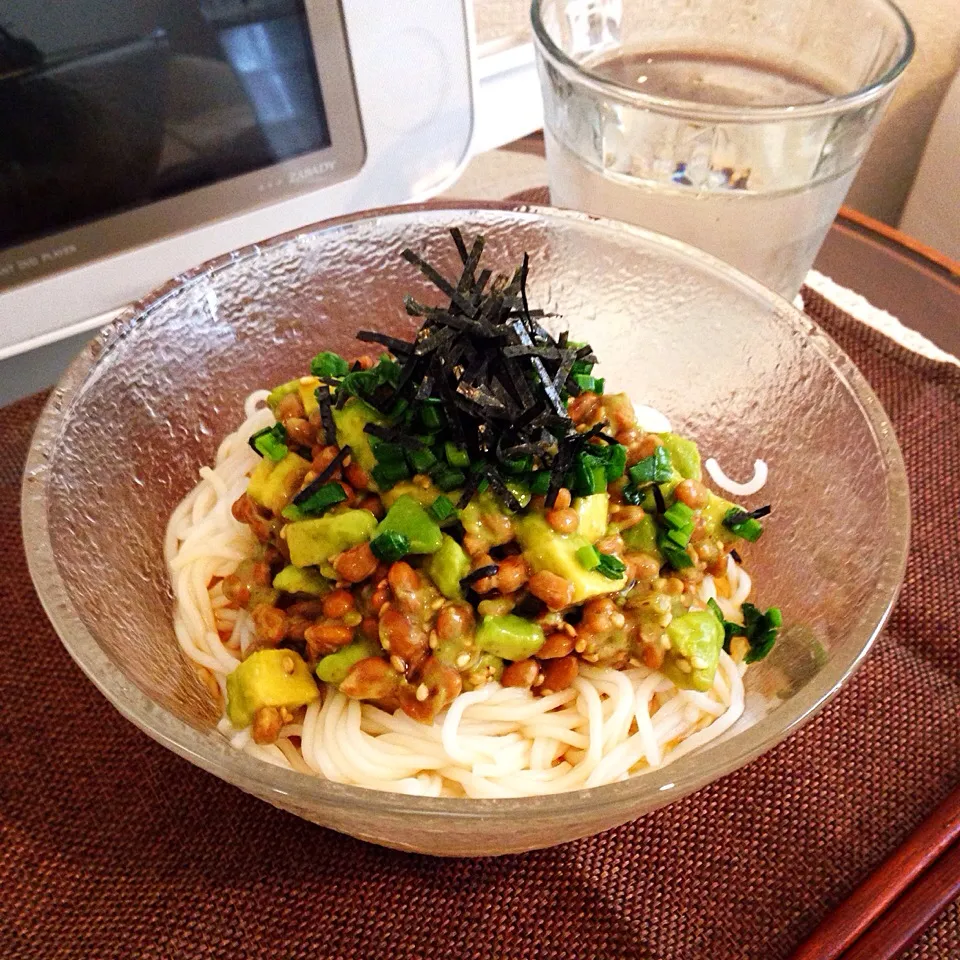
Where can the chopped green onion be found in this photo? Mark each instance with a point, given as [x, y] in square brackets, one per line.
[271, 442]
[589, 475]
[678, 517]
[539, 482]
[633, 495]
[588, 557]
[456, 456]
[387, 474]
[442, 509]
[390, 546]
[761, 630]
[586, 382]
[430, 417]
[742, 525]
[581, 368]
[420, 460]
[676, 556]
[329, 364]
[611, 567]
[681, 536]
[446, 478]
[517, 466]
[616, 461]
[656, 468]
[324, 498]
[292, 512]
[388, 452]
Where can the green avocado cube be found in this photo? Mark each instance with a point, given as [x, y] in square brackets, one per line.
[406, 516]
[293, 579]
[510, 637]
[313, 542]
[696, 639]
[447, 567]
[334, 667]
[272, 485]
[268, 678]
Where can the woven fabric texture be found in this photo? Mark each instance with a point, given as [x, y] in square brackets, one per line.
[112, 847]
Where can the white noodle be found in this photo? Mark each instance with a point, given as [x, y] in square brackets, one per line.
[491, 742]
[753, 485]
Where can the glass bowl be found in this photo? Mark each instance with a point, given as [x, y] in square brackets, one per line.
[735, 367]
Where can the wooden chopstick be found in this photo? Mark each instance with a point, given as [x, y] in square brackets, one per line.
[852, 917]
[909, 916]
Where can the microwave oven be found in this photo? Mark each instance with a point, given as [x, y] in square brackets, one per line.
[140, 137]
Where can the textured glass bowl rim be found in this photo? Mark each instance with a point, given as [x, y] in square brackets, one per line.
[690, 109]
[280, 786]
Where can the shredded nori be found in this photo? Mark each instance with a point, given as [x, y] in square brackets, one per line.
[736, 556]
[658, 499]
[474, 575]
[314, 485]
[501, 378]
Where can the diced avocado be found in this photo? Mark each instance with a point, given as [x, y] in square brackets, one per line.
[486, 669]
[313, 542]
[350, 421]
[545, 549]
[696, 639]
[334, 667]
[451, 652]
[268, 678]
[592, 512]
[642, 537]
[407, 488]
[278, 393]
[510, 637]
[447, 567]
[482, 505]
[273, 484]
[307, 387]
[293, 579]
[713, 514]
[684, 455]
[406, 516]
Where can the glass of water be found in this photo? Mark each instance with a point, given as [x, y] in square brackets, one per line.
[734, 125]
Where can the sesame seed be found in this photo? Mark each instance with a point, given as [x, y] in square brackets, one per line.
[400, 666]
[568, 629]
[618, 619]
[385, 644]
[580, 646]
[463, 659]
[288, 665]
[539, 681]
[699, 663]
[684, 666]
[434, 642]
[423, 692]
[437, 604]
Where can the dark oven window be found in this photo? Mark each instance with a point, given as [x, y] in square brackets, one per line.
[107, 105]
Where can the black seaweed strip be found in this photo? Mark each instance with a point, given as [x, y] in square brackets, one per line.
[736, 556]
[314, 485]
[760, 512]
[325, 401]
[489, 570]
[395, 345]
[658, 499]
[458, 240]
[436, 278]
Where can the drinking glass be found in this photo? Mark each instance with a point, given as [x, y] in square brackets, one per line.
[734, 125]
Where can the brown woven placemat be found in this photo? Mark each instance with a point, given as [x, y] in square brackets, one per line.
[112, 847]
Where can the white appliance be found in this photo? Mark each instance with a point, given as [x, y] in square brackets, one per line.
[144, 136]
